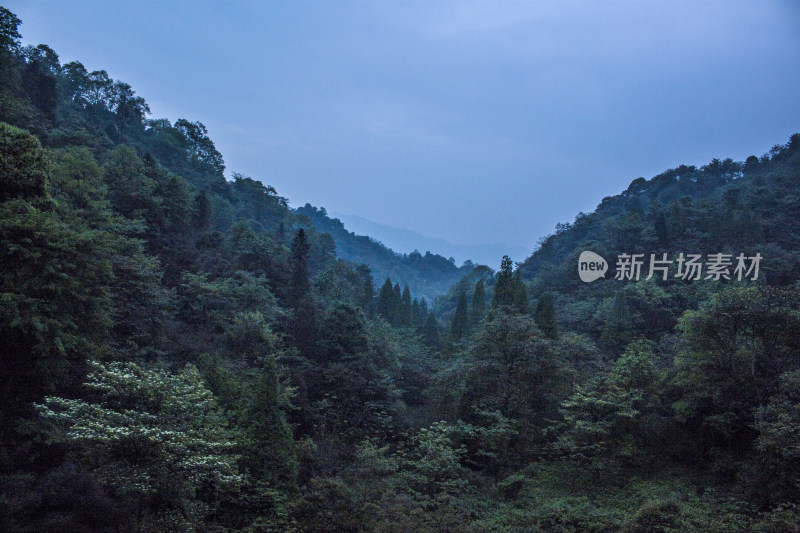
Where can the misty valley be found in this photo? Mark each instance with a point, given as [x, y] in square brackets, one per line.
[184, 351]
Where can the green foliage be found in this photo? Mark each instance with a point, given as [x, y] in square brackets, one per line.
[603, 418]
[509, 290]
[345, 334]
[386, 303]
[520, 294]
[151, 435]
[430, 331]
[55, 298]
[737, 345]
[404, 309]
[658, 405]
[199, 147]
[299, 281]
[268, 443]
[505, 287]
[9, 33]
[427, 275]
[213, 302]
[545, 316]
[460, 322]
[431, 462]
[778, 425]
[130, 188]
[478, 306]
[23, 169]
[77, 187]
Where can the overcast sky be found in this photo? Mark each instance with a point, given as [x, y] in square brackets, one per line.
[474, 122]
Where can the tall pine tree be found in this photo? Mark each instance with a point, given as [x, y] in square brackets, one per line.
[386, 301]
[478, 307]
[504, 288]
[404, 309]
[397, 296]
[299, 282]
[460, 322]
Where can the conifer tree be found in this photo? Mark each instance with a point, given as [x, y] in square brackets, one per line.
[460, 322]
[478, 307]
[415, 313]
[430, 331]
[397, 296]
[367, 289]
[385, 298]
[269, 446]
[299, 282]
[304, 325]
[404, 308]
[504, 288]
[423, 313]
[545, 316]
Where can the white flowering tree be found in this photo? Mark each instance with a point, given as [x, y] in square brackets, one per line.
[152, 437]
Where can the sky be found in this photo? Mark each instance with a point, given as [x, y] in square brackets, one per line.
[474, 122]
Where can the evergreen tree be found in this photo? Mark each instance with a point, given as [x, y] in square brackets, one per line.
[478, 307]
[430, 331]
[504, 288]
[397, 296]
[618, 327]
[56, 278]
[404, 309]
[367, 296]
[299, 281]
[344, 336]
[415, 313]
[304, 324]
[423, 313]
[385, 301]
[460, 322]
[520, 294]
[545, 316]
[269, 446]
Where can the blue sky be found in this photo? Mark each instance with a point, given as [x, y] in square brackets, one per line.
[476, 122]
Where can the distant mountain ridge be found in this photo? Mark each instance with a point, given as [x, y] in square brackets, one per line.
[723, 207]
[428, 275]
[406, 241]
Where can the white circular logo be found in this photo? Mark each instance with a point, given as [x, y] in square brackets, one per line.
[591, 266]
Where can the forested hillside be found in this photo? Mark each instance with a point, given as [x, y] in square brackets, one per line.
[427, 275]
[181, 352]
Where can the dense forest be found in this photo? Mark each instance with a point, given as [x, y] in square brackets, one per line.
[183, 352]
[427, 276]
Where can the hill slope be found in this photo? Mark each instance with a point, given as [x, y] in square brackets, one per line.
[427, 275]
[406, 241]
[183, 353]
